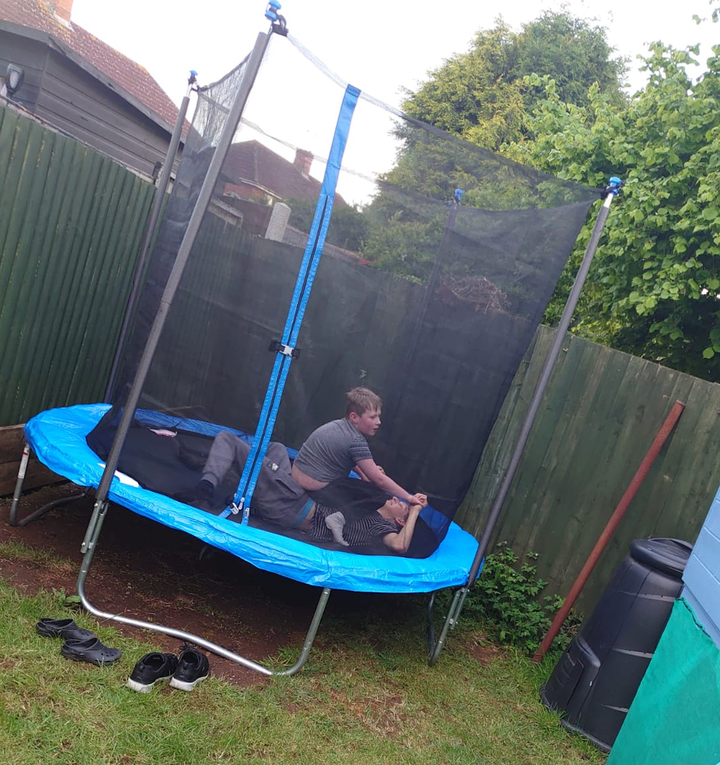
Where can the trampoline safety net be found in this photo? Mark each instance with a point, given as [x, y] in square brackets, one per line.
[437, 264]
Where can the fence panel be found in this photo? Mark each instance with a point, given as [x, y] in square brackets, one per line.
[599, 416]
[71, 223]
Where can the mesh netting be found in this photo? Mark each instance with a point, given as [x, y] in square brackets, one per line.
[427, 300]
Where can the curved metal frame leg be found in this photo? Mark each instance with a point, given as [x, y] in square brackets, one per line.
[19, 484]
[27, 451]
[88, 548]
[450, 622]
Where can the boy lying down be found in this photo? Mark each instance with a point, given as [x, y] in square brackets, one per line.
[349, 511]
[314, 494]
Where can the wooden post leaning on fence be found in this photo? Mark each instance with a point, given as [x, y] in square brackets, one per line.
[609, 530]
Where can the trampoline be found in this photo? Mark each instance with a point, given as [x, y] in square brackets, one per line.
[436, 269]
[57, 438]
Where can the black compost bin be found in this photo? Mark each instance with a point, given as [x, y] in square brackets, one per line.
[597, 677]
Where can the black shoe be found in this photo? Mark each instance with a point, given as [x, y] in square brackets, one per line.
[193, 667]
[150, 669]
[201, 495]
[90, 650]
[64, 628]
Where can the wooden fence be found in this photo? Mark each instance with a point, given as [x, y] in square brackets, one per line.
[71, 223]
[600, 414]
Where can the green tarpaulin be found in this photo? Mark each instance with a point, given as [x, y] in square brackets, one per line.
[675, 717]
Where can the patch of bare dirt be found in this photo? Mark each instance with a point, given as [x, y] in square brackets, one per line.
[147, 571]
[480, 648]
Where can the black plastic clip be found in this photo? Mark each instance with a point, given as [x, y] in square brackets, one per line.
[286, 350]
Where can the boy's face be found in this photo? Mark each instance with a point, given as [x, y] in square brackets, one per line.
[397, 510]
[367, 423]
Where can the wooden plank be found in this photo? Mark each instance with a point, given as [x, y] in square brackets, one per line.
[108, 313]
[85, 100]
[83, 248]
[49, 312]
[24, 311]
[84, 108]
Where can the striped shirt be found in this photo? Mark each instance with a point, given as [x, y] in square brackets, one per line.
[362, 532]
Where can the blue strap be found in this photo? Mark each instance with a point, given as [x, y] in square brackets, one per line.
[301, 295]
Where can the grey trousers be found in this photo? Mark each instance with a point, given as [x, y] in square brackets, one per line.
[277, 497]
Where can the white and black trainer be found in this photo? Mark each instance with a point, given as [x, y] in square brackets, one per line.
[193, 667]
[152, 668]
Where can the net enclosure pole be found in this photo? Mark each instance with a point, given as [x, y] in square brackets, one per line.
[173, 282]
[547, 369]
[150, 229]
[610, 192]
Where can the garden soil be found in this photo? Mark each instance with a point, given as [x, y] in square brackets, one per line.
[147, 571]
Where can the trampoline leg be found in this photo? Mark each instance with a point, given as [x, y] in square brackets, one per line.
[310, 637]
[88, 548]
[449, 623]
[45, 508]
[19, 484]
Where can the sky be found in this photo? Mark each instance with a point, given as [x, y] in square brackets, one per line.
[381, 48]
[376, 45]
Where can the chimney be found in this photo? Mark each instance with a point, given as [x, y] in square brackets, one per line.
[303, 161]
[61, 10]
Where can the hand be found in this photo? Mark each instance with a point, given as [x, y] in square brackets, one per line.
[420, 499]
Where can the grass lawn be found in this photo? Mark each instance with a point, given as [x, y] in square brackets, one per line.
[366, 696]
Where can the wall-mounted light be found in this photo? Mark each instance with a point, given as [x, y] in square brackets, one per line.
[14, 76]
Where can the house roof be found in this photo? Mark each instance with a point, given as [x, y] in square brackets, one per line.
[253, 162]
[121, 74]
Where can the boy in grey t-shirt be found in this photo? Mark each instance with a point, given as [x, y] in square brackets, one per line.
[338, 447]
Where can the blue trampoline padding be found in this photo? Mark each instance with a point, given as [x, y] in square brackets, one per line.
[57, 438]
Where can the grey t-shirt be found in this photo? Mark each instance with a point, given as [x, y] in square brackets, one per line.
[332, 451]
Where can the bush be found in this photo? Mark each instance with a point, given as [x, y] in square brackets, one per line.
[506, 599]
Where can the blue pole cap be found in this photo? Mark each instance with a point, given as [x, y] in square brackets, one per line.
[614, 185]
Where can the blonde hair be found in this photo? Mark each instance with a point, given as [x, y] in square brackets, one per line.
[360, 400]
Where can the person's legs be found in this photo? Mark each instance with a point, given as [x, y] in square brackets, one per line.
[278, 498]
[226, 450]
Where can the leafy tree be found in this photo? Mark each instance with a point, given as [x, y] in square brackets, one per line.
[655, 284]
[482, 96]
[574, 53]
[474, 95]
